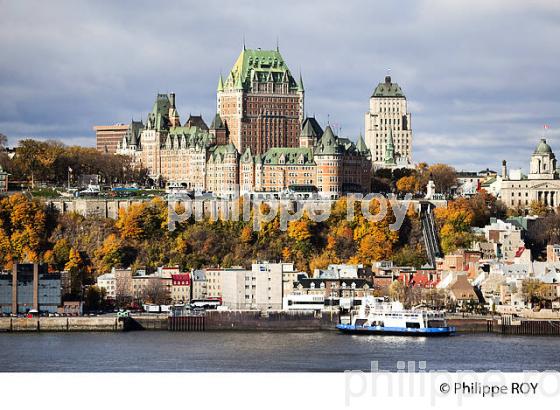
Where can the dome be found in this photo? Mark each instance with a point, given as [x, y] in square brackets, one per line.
[543, 147]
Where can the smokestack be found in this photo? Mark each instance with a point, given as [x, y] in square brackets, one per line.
[172, 99]
[504, 169]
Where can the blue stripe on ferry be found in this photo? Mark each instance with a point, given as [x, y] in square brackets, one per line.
[398, 329]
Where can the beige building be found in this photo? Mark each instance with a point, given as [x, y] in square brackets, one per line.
[261, 288]
[123, 286]
[214, 282]
[542, 184]
[553, 253]
[107, 282]
[387, 126]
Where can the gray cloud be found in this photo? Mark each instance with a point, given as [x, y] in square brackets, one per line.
[481, 77]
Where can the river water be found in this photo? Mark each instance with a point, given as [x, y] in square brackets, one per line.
[268, 352]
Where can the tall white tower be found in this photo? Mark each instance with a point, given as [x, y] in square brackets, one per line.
[388, 111]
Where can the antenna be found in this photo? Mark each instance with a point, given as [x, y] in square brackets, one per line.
[277, 44]
[243, 41]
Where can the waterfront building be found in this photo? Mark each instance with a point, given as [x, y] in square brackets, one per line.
[334, 291]
[108, 284]
[198, 284]
[237, 289]
[3, 180]
[542, 184]
[388, 129]
[261, 288]
[260, 102]
[152, 288]
[124, 286]
[30, 287]
[180, 288]
[214, 282]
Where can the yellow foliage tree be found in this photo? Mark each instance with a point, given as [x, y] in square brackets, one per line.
[455, 222]
[408, 184]
[299, 230]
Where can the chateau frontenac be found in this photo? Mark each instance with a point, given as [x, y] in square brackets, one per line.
[258, 141]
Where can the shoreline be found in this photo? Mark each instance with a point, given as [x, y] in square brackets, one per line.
[249, 322]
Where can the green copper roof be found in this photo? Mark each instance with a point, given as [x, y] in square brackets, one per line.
[543, 147]
[217, 123]
[218, 152]
[133, 132]
[188, 137]
[388, 89]
[361, 145]
[328, 144]
[311, 128]
[300, 83]
[220, 84]
[247, 157]
[159, 117]
[282, 156]
[260, 65]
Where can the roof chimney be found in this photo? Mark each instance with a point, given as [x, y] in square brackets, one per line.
[388, 79]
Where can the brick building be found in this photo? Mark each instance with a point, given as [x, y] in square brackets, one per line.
[260, 102]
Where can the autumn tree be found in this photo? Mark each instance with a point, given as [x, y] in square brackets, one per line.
[444, 177]
[484, 206]
[22, 229]
[76, 266]
[455, 223]
[376, 239]
[538, 208]
[532, 290]
[408, 184]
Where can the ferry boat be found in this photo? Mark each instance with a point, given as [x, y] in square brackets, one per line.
[376, 316]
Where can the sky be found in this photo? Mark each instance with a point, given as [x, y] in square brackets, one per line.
[481, 77]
